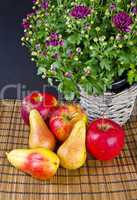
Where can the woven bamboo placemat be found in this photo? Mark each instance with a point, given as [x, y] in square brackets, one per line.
[113, 180]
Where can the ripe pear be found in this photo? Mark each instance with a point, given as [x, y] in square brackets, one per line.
[72, 153]
[40, 135]
[39, 163]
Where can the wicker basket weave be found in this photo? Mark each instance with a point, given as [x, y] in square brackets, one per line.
[110, 105]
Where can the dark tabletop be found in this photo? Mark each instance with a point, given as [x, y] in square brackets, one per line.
[17, 72]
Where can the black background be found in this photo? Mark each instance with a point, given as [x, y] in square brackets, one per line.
[15, 64]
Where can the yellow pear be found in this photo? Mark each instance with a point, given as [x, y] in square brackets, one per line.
[72, 153]
[39, 163]
[40, 135]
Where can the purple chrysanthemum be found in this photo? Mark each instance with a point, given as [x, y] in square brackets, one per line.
[122, 21]
[112, 6]
[31, 14]
[54, 40]
[45, 4]
[52, 43]
[25, 24]
[34, 1]
[79, 12]
[54, 36]
[134, 10]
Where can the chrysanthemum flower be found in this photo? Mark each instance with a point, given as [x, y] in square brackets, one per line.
[45, 4]
[25, 24]
[122, 21]
[54, 40]
[134, 10]
[112, 6]
[80, 11]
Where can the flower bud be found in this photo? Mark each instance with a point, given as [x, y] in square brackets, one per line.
[104, 43]
[125, 37]
[22, 39]
[112, 38]
[43, 76]
[87, 70]
[107, 13]
[95, 39]
[120, 46]
[112, 7]
[118, 37]
[34, 53]
[91, 48]
[30, 32]
[76, 58]
[53, 67]
[102, 38]
[83, 77]
[133, 3]
[130, 43]
[37, 46]
[68, 74]
[97, 28]
[78, 50]
[31, 40]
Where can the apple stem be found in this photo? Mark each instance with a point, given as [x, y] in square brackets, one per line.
[104, 127]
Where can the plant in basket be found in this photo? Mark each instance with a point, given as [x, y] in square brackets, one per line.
[85, 45]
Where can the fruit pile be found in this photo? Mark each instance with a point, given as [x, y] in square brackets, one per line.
[61, 135]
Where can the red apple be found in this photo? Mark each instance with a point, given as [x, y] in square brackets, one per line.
[43, 102]
[105, 139]
[63, 119]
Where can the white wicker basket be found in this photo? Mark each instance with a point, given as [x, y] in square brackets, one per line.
[110, 105]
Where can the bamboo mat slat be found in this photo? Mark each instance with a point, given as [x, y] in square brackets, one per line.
[113, 180]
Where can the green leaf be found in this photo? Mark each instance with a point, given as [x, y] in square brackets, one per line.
[92, 62]
[56, 64]
[69, 96]
[68, 88]
[60, 87]
[121, 69]
[41, 70]
[50, 81]
[75, 38]
[130, 77]
[105, 64]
